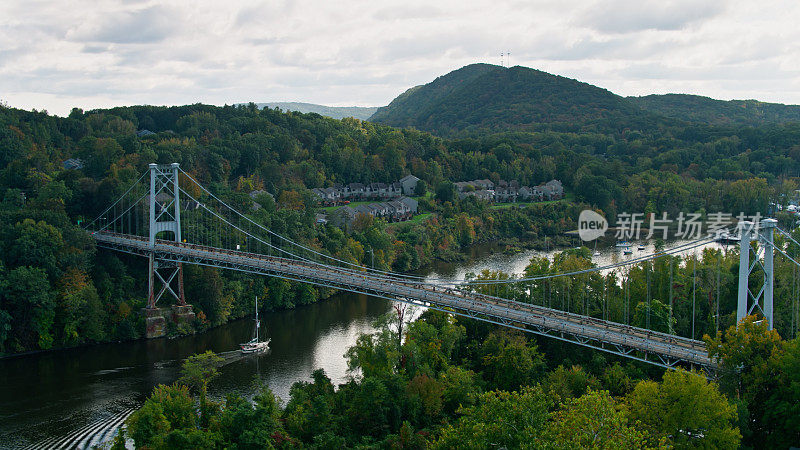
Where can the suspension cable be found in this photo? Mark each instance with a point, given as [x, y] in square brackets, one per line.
[118, 200]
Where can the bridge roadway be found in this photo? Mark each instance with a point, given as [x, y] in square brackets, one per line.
[637, 343]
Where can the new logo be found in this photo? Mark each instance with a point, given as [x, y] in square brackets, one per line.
[591, 225]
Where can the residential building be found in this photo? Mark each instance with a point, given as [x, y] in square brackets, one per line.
[410, 203]
[342, 217]
[409, 184]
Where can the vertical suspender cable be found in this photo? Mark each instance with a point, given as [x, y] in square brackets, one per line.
[694, 290]
[670, 295]
[719, 257]
[647, 276]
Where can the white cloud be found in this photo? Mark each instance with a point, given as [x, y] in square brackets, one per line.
[57, 55]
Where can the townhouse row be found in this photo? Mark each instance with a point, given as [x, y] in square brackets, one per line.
[339, 194]
[505, 191]
[398, 210]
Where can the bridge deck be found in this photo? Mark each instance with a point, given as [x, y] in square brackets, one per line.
[658, 348]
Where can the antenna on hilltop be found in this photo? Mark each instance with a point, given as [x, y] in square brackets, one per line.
[508, 59]
[501, 59]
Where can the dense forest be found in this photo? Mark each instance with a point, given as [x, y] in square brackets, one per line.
[57, 290]
[695, 108]
[446, 382]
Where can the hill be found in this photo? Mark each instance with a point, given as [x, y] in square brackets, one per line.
[335, 112]
[411, 105]
[494, 98]
[695, 108]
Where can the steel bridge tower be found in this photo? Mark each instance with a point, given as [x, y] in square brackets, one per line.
[762, 301]
[165, 215]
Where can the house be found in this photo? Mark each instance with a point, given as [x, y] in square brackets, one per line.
[144, 133]
[525, 193]
[483, 194]
[379, 209]
[377, 190]
[483, 184]
[461, 186]
[257, 193]
[354, 191]
[553, 190]
[409, 184]
[505, 193]
[328, 196]
[363, 209]
[410, 203]
[399, 211]
[395, 189]
[73, 164]
[342, 217]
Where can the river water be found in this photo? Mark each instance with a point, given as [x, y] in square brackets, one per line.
[78, 397]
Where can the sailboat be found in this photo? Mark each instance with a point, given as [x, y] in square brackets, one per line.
[254, 345]
[596, 253]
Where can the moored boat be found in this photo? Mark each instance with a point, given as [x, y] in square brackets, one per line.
[255, 345]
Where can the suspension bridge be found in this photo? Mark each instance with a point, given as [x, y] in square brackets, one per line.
[174, 220]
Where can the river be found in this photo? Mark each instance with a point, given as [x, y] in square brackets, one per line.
[78, 397]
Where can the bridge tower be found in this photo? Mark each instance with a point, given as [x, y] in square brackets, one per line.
[165, 215]
[750, 303]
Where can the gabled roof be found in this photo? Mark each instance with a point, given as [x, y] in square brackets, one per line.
[410, 202]
[409, 177]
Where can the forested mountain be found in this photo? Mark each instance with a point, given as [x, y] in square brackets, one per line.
[487, 98]
[696, 108]
[481, 98]
[335, 112]
[408, 107]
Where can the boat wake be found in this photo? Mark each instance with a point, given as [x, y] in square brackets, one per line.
[92, 434]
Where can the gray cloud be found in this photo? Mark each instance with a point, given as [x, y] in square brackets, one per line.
[365, 53]
[637, 15]
[148, 25]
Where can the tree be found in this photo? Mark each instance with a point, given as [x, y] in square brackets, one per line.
[685, 409]
[779, 426]
[425, 395]
[591, 421]
[500, 419]
[167, 409]
[245, 425]
[570, 383]
[196, 372]
[743, 348]
[430, 342]
[764, 371]
[445, 191]
[36, 244]
[309, 412]
[32, 307]
[509, 362]
[659, 316]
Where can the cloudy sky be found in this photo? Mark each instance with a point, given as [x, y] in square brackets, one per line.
[58, 54]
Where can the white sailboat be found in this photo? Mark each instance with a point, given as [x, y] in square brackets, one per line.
[254, 345]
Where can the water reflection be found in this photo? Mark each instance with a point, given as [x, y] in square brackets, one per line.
[48, 395]
[492, 257]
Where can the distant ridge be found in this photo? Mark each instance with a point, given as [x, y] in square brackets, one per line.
[335, 112]
[482, 97]
[696, 108]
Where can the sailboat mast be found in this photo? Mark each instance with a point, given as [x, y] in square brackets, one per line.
[257, 318]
